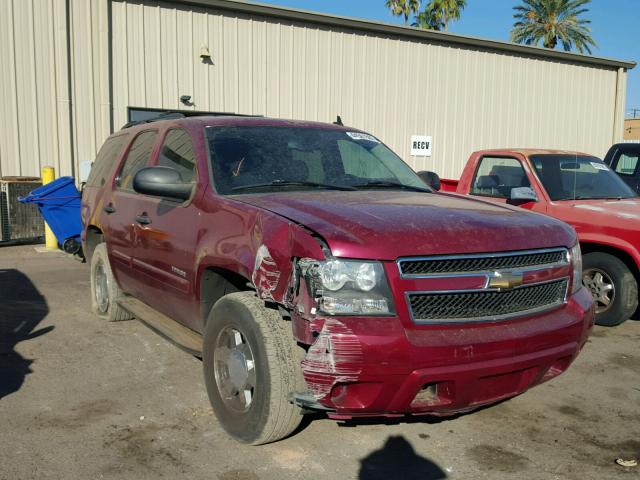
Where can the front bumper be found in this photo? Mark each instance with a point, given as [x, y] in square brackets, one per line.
[383, 366]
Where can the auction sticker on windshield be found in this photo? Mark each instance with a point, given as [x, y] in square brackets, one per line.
[599, 166]
[363, 136]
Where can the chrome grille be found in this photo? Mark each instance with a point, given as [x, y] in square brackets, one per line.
[481, 263]
[483, 305]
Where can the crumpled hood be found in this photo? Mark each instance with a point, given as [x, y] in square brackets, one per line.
[386, 225]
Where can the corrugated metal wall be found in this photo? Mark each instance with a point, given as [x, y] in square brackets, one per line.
[33, 87]
[467, 99]
[54, 85]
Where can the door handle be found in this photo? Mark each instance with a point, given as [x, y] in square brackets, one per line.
[143, 219]
[109, 209]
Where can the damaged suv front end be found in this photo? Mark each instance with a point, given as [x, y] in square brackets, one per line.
[458, 339]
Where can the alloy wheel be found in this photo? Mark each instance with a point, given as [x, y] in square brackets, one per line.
[234, 368]
[601, 286]
[101, 289]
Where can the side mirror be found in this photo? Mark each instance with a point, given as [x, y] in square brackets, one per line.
[430, 178]
[523, 195]
[162, 182]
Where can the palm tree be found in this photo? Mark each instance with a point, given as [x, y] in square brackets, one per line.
[553, 21]
[438, 13]
[429, 19]
[403, 7]
[451, 10]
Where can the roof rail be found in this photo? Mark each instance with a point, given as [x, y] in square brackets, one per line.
[162, 116]
[169, 115]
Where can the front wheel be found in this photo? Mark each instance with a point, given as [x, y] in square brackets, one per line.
[613, 286]
[250, 368]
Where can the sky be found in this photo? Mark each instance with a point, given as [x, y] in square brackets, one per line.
[615, 26]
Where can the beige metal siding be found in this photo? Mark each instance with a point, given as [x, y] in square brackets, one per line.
[30, 33]
[89, 57]
[48, 116]
[466, 99]
[60, 96]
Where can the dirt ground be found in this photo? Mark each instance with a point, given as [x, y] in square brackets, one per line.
[83, 399]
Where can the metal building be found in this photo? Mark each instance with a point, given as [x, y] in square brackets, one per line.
[75, 70]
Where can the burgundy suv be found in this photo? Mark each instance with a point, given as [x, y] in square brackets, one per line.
[313, 270]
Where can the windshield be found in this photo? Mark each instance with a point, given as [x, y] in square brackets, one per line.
[571, 177]
[268, 159]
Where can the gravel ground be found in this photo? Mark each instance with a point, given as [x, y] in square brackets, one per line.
[84, 399]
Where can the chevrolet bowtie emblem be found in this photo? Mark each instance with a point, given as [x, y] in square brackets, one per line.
[505, 280]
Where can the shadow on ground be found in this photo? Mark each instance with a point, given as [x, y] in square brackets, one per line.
[398, 459]
[22, 308]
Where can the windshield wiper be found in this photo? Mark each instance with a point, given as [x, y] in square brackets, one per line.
[280, 183]
[387, 184]
[586, 197]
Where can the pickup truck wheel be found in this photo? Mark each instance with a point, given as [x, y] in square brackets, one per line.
[613, 286]
[104, 288]
[250, 368]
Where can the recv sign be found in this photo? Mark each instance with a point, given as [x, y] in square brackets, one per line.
[421, 145]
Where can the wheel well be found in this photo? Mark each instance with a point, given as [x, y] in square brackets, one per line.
[216, 283]
[616, 252]
[93, 237]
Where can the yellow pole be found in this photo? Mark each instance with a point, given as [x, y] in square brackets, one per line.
[48, 176]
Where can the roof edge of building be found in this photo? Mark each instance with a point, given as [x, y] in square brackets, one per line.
[403, 31]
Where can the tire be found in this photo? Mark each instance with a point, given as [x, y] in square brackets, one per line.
[623, 296]
[104, 289]
[265, 341]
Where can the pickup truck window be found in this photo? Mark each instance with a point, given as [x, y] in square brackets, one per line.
[265, 159]
[496, 176]
[627, 164]
[137, 158]
[177, 152]
[581, 177]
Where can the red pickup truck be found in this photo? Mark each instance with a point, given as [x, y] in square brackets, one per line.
[312, 269]
[581, 190]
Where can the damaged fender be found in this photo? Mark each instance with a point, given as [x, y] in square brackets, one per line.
[268, 254]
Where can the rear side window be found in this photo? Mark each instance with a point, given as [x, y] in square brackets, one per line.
[106, 159]
[177, 152]
[496, 176]
[137, 158]
[627, 163]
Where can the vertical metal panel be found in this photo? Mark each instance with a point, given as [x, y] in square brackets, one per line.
[35, 130]
[42, 41]
[9, 140]
[89, 60]
[618, 120]
[24, 95]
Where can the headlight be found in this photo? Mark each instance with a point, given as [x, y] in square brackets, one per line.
[333, 275]
[348, 287]
[576, 262]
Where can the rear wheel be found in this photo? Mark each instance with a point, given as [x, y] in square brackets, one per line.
[104, 288]
[250, 368]
[613, 286]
